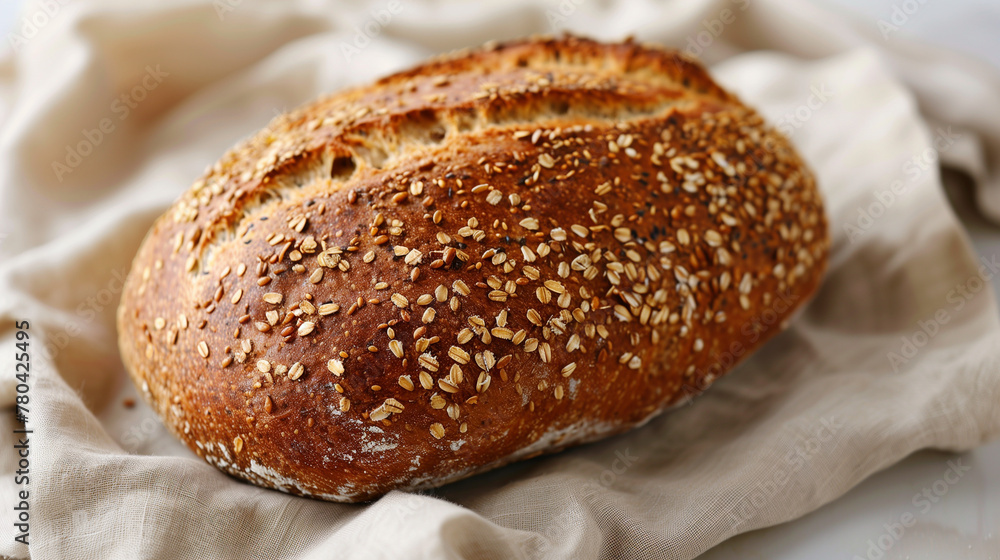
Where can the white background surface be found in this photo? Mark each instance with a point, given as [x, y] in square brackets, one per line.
[965, 522]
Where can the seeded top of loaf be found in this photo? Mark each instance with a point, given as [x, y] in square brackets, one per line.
[405, 277]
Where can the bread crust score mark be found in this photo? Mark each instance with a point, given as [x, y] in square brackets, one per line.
[500, 253]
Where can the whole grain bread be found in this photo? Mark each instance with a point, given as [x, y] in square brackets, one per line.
[497, 254]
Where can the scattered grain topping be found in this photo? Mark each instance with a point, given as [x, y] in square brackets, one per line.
[437, 430]
[483, 383]
[328, 309]
[393, 406]
[455, 375]
[272, 317]
[556, 287]
[428, 316]
[438, 402]
[426, 381]
[461, 288]
[543, 294]
[502, 333]
[238, 444]
[574, 343]
[405, 382]
[494, 197]
[441, 293]
[413, 257]
[465, 335]
[296, 371]
[203, 349]
[428, 361]
[306, 328]
[447, 386]
[273, 298]
[400, 300]
[459, 355]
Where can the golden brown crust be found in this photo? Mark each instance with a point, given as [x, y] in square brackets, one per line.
[497, 254]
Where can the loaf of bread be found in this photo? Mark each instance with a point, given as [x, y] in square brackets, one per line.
[497, 254]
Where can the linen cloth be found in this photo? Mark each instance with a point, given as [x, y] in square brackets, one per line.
[899, 350]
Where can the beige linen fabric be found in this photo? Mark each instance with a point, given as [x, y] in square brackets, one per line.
[818, 409]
